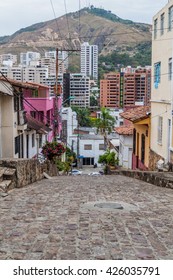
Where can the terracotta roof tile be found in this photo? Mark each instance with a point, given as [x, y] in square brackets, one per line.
[136, 114]
[36, 125]
[125, 129]
[17, 83]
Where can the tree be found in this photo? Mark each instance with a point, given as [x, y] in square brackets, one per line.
[109, 159]
[105, 124]
[83, 116]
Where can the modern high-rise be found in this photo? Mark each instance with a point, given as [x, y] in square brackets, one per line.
[126, 89]
[76, 90]
[26, 58]
[89, 60]
[8, 57]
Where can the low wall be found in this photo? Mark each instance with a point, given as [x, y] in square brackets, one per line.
[161, 179]
[153, 159]
[28, 170]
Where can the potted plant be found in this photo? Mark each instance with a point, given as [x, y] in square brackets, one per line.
[52, 150]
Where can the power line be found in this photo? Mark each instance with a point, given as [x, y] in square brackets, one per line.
[16, 93]
[55, 18]
[68, 27]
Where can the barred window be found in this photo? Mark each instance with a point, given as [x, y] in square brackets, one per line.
[160, 130]
[87, 147]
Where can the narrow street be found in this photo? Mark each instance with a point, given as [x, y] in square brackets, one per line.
[87, 217]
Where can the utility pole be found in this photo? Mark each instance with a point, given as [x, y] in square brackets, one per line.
[58, 91]
[78, 144]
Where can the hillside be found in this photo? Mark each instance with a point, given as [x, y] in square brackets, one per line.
[97, 26]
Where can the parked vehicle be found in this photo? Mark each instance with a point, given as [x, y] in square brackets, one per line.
[94, 174]
[75, 172]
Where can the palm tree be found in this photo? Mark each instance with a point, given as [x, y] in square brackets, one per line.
[105, 124]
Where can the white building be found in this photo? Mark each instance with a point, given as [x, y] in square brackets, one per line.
[162, 85]
[26, 58]
[89, 60]
[125, 146]
[8, 57]
[79, 90]
[35, 74]
[69, 123]
[62, 60]
[14, 73]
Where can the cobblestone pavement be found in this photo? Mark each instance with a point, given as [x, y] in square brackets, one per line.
[59, 219]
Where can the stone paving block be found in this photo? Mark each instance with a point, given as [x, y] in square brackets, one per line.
[50, 220]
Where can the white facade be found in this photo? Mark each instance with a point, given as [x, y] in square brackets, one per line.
[125, 151]
[79, 90]
[162, 83]
[69, 123]
[90, 148]
[14, 73]
[62, 60]
[35, 74]
[89, 60]
[8, 57]
[26, 58]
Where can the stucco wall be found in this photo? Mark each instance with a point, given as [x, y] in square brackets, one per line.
[28, 170]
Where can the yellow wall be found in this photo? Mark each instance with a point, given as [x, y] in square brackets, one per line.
[141, 128]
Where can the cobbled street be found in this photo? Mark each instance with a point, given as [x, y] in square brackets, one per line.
[66, 218]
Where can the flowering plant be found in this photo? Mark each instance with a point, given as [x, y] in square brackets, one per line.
[53, 149]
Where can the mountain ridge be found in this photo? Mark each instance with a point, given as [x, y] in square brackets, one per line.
[94, 25]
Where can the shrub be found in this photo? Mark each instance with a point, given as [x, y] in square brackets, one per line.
[53, 149]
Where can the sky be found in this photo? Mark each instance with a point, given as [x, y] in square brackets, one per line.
[17, 14]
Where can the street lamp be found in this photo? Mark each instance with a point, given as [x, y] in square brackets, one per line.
[67, 99]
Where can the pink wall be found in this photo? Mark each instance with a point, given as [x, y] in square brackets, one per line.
[47, 106]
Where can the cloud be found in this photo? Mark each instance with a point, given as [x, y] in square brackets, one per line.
[19, 13]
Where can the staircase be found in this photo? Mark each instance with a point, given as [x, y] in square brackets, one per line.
[7, 179]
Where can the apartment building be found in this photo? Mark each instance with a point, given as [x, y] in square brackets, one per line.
[162, 86]
[89, 60]
[35, 74]
[8, 57]
[26, 58]
[126, 89]
[110, 90]
[76, 89]
[62, 60]
[14, 73]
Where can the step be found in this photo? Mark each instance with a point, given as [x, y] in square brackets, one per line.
[4, 185]
[9, 173]
[2, 169]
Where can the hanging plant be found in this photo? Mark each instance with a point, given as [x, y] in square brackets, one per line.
[53, 149]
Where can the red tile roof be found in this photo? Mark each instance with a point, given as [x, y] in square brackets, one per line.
[17, 83]
[36, 125]
[37, 85]
[136, 114]
[125, 129]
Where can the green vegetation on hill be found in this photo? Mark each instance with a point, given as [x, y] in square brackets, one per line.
[110, 16]
[114, 61]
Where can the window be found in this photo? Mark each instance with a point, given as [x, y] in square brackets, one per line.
[33, 114]
[88, 161]
[17, 144]
[162, 23]
[170, 18]
[157, 74]
[33, 140]
[170, 69]
[160, 129]
[142, 148]
[35, 93]
[134, 141]
[87, 147]
[40, 140]
[155, 28]
[101, 147]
